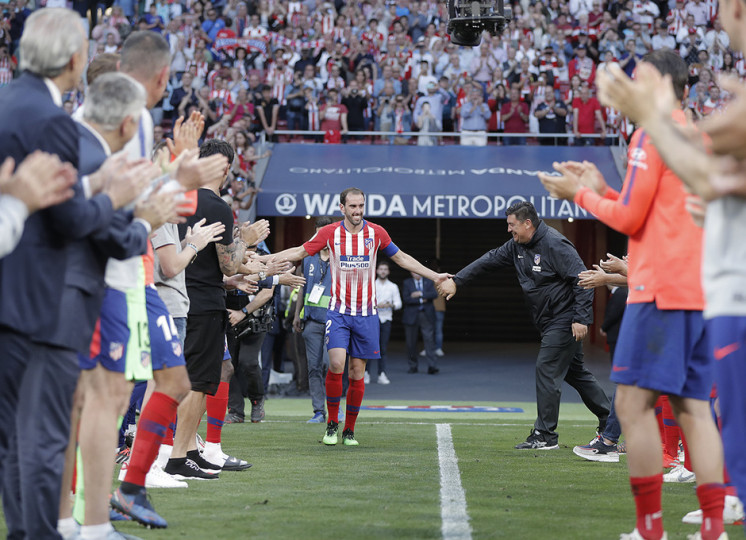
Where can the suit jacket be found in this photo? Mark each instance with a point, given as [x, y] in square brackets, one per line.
[412, 305]
[32, 277]
[83, 292]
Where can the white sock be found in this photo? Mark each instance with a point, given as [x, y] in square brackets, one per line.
[67, 526]
[95, 532]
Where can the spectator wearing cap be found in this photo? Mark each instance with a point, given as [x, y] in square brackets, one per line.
[552, 117]
[582, 66]
[549, 64]
[212, 24]
[449, 103]
[420, 54]
[662, 39]
[628, 60]
[586, 114]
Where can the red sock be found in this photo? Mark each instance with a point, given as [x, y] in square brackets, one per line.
[355, 394]
[333, 395]
[216, 407]
[659, 416]
[671, 431]
[647, 492]
[168, 438]
[154, 420]
[711, 501]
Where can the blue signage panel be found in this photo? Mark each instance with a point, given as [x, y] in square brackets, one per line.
[420, 182]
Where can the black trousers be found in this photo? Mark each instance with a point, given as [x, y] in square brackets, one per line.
[247, 376]
[561, 359]
[38, 382]
[411, 331]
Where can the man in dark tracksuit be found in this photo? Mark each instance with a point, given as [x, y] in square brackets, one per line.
[548, 266]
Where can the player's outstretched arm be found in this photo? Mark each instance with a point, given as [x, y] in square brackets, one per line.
[413, 265]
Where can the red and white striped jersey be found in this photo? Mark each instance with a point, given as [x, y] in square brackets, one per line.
[352, 258]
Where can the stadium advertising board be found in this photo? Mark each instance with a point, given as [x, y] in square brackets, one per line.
[420, 182]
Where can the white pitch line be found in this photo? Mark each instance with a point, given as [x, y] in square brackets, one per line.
[452, 497]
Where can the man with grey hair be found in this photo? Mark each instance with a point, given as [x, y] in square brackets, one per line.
[145, 56]
[110, 118]
[38, 340]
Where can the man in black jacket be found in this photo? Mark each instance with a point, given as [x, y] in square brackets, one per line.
[548, 266]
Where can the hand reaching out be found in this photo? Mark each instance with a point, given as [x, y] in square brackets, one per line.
[201, 235]
[254, 233]
[291, 279]
[447, 288]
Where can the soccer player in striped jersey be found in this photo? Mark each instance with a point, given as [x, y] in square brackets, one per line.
[352, 320]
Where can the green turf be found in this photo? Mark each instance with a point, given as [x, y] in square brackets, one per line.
[388, 487]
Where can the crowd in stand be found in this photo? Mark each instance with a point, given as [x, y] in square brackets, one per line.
[266, 66]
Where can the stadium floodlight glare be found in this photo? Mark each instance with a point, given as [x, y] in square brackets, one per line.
[467, 19]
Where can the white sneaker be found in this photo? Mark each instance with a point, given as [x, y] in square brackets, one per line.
[123, 471]
[732, 512]
[366, 378]
[439, 352]
[635, 535]
[164, 454]
[383, 379]
[214, 454]
[679, 475]
[157, 478]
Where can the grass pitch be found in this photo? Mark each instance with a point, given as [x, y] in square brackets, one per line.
[389, 486]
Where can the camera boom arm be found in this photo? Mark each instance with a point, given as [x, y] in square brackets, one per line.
[467, 19]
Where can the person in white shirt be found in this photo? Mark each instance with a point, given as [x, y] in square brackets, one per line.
[662, 39]
[388, 300]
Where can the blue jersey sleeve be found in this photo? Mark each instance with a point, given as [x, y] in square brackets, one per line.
[390, 250]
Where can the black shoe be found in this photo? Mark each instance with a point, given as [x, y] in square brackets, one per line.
[432, 370]
[235, 464]
[202, 463]
[233, 418]
[186, 469]
[538, 441]
[412, 370]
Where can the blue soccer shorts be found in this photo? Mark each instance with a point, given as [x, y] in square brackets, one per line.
[664, 350]
[358, 335]
[165, 347]
[110, 337]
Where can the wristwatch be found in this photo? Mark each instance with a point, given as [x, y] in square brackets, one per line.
[262, 275]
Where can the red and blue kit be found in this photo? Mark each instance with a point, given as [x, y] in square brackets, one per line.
[352, 259]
